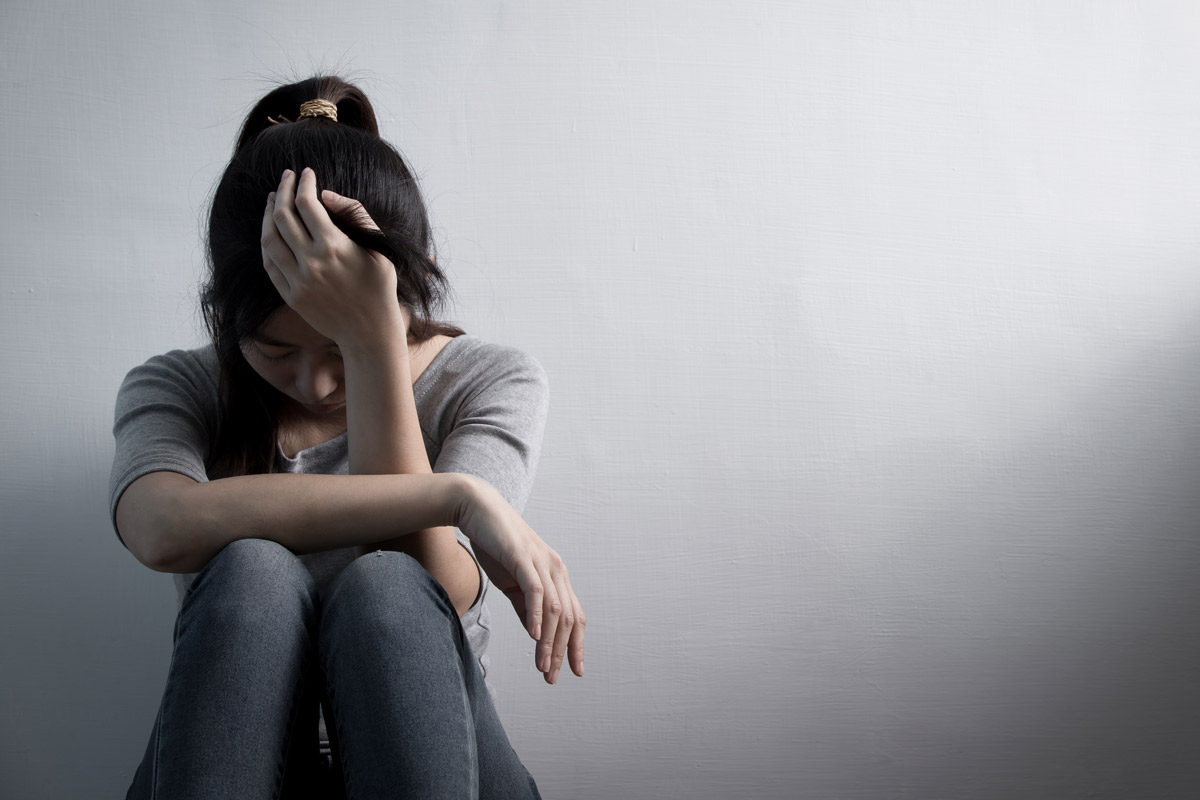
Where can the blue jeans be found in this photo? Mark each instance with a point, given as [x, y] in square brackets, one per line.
[256, 651]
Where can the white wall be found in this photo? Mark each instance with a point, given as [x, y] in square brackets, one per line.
[874, 334]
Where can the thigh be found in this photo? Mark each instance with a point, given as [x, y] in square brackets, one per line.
[407, 690]
[243, 660]
[388, 642]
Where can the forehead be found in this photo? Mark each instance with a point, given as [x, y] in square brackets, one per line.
[286, 328]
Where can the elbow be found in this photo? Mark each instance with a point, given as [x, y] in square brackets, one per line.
[154, 538]
[160, 557]
[161, 519]
[152, 548]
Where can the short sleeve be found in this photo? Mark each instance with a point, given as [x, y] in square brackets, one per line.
[165, 419]
[495, 433]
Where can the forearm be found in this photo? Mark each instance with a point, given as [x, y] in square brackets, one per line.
[186, 526]
[385, 437]
[381, 414]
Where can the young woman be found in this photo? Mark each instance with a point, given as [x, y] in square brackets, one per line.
[304, 474]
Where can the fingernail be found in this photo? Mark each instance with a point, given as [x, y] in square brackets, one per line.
[554, 676]
[537, 631]
[581, 669]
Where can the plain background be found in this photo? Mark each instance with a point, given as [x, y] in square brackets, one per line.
[874, 338]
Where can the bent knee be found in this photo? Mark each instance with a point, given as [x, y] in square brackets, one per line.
[258, 572]
[260, 557]
[386, 585]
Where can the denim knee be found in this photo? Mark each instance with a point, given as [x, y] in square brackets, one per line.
[386, 591]
[254, 583]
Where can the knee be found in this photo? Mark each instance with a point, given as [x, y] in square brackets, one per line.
[254, 581]
[384, 592]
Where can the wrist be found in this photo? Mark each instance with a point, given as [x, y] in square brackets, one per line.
[382, 335]
[463, 496]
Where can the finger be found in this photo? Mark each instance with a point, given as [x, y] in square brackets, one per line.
[352, 208]
[551, 613]
[517, 598]
[566, 623]
[312, 212]
[532, 592]
[290, 226]
[274, 249]
[278, 279]
[575, 647]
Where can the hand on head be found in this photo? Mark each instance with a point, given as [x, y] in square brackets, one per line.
[340, 288]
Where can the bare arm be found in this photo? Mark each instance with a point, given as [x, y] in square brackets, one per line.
[385, 438]
[350, 294]
[171, 523]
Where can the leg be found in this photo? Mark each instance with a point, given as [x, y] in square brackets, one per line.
[409, 703]
[239, 680]
[501, 773]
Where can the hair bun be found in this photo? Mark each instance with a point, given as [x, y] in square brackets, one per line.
[325, 96]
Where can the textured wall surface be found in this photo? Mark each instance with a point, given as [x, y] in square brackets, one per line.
[874, 337]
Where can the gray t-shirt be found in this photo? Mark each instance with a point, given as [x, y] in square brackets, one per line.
[482, 409]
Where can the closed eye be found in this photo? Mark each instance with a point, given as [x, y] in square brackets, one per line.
[275, 357]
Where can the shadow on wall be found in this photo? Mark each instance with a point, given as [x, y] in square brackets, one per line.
[1025, 628]
[87, 638]
[1072, 670]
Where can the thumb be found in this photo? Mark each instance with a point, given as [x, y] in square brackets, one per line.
[336, 201]
[349, 206]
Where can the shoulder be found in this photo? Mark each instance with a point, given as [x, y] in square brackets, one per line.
[166, 415]
[468, 365]
[199, 366]
[484, 414]
[178, 373]
[473, 382]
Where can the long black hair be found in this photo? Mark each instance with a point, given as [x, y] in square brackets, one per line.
[349, 158]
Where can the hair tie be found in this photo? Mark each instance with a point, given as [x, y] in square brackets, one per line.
[309, 108]
[318, 108]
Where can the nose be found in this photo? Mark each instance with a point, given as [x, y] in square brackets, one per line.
[317, 379]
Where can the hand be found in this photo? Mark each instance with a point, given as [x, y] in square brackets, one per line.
[341, 289]
[531, 575]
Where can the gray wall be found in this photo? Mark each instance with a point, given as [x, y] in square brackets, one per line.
[873, 333]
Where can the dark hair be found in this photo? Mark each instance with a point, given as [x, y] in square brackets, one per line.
[349, 158]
